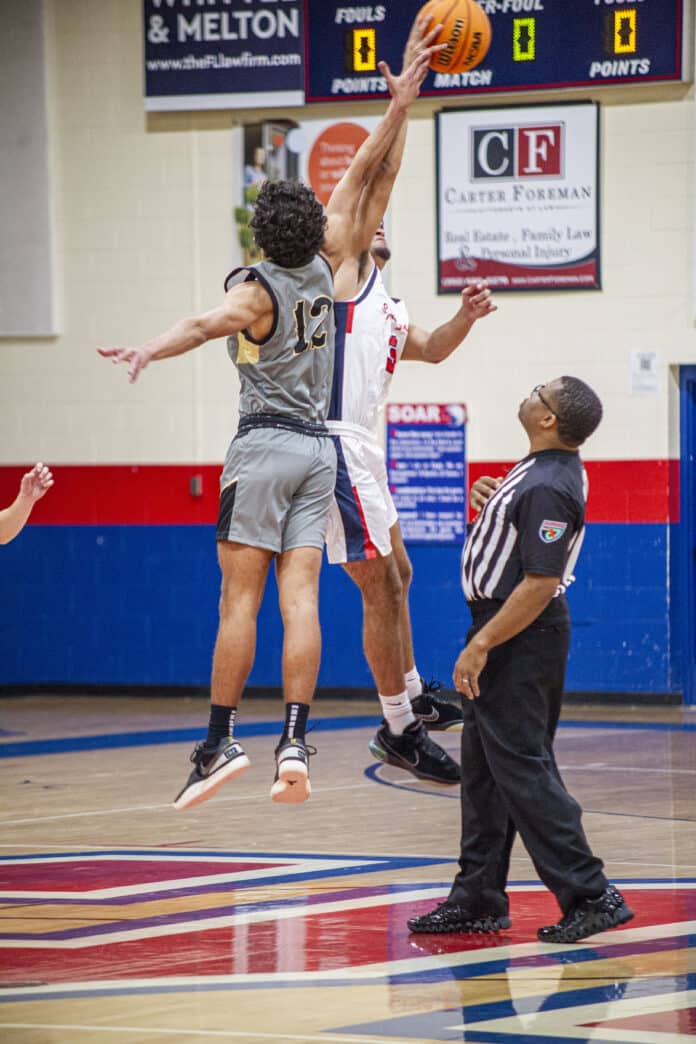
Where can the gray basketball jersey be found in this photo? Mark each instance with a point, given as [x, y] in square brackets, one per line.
[290, 372]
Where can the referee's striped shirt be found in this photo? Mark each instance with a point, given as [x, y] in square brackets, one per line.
[533, 523]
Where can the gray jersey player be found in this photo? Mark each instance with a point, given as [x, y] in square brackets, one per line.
[279, 473]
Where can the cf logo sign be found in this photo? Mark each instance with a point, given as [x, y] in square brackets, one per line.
[517, 152]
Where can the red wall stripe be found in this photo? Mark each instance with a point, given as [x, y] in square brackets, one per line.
[160, 494]
[149, 494]
[620, 490]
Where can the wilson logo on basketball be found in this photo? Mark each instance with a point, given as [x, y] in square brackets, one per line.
[466, 32]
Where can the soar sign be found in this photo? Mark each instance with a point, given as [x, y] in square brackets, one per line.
[218, 54]
[426, 465]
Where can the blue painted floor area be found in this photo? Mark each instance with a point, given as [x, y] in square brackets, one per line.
[157, 737]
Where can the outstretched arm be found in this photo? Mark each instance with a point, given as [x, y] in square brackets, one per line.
[32, 487]
[375, 195]
[433, 347]
[244, 306]
[343, 203]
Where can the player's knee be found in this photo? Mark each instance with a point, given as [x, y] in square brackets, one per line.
[302, 602]
[405, 571]
[233, 601]
[394, 586]
[383, 590]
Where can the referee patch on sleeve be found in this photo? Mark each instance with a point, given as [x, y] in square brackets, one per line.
[225, 511]
[550, 531]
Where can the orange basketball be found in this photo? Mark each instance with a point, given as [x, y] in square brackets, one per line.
[466, 29]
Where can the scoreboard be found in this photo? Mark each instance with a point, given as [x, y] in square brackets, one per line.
[536, 45]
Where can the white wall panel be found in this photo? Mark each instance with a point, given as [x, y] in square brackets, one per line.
[27, 296]
[145, 233]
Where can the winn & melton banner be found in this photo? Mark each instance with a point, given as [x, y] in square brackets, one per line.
[518, 197]
[223, 54]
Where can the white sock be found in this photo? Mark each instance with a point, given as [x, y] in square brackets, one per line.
[414, 685]
[397, 711]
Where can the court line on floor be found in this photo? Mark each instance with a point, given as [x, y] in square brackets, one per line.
[181, 924]
[18, 847]
[637, 815]
[263, 796]
[460, 964]
[158, 737]
[596, 766]
[324, 1038]
[372, 772]
[656, 726]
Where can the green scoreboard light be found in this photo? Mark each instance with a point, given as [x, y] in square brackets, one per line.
[536, 45]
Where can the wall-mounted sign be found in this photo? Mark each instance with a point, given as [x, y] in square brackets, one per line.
[426, 465]
[316, 151]
[518, 198]
[223, 54]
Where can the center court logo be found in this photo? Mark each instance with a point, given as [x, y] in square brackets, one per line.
[227, 917]
[518, 152]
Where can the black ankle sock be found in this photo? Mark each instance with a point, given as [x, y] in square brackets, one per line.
[296, 715]
[220, 724]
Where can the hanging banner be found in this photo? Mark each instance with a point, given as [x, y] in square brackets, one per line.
[518, 198]
[224, 54]
[426, 466]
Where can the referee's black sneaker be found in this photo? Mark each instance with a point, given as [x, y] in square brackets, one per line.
[590, 916]
[436, 712]
[451, 917]
[414, 751]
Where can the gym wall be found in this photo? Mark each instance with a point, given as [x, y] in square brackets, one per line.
[115, 582]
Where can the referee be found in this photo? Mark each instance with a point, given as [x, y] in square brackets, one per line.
[518, 561]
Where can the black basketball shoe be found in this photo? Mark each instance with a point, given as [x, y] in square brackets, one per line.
[415, 752]
[213, 766]
[590, 916]
[291, 785]
[437, 713]
[451, 917]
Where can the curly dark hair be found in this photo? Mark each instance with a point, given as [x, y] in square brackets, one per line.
[579, 411]
[288, 223]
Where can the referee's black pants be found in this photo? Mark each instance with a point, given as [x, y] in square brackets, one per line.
[510, 780]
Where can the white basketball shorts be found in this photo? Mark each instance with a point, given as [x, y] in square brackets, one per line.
[362, 512]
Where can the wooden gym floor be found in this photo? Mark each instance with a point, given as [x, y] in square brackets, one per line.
[246, 921]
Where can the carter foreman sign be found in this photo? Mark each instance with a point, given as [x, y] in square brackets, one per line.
[518, 200]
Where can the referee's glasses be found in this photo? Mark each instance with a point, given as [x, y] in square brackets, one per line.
[537, 391]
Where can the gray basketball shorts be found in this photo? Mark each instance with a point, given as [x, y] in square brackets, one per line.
[276, 489]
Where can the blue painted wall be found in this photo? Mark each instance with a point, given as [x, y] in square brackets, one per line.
[120, 605]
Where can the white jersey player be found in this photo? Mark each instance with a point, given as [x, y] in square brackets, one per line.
[371, 331]
[372, 334]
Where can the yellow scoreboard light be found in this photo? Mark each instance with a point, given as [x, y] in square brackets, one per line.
[625, 32]
[361, 50]
[524, 39]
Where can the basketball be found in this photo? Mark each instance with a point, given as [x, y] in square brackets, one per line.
[466, 29]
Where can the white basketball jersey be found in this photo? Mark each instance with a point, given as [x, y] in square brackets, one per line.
[371, 331]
